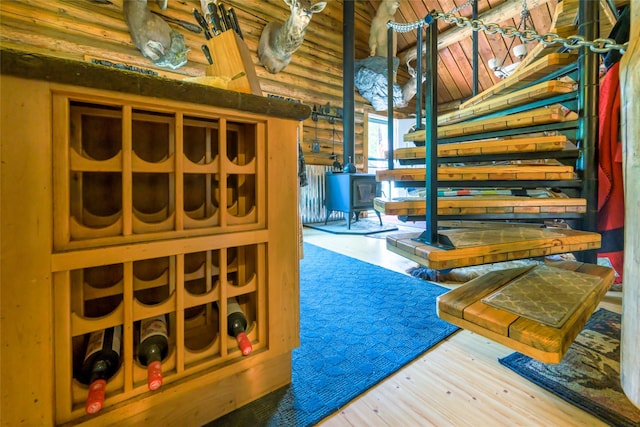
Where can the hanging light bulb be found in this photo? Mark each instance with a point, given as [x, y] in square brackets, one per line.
[519, 51]
[494, 63]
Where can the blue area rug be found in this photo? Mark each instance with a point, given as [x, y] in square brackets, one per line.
[589, 374]
[359, 323]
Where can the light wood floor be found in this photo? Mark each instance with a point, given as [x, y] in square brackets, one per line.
[457, 383]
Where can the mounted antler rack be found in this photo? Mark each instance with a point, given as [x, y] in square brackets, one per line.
[324, 112]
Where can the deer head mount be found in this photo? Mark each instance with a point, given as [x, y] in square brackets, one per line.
[279, 41]
[153, 36]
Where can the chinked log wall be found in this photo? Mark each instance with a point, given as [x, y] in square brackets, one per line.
[75, 28]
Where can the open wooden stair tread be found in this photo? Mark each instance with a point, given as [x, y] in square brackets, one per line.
[524, 76]
[477, 205]
[473, 246]
[539, 91]
[538, 116]
[464, 307]
[512, 172]
[491, 146]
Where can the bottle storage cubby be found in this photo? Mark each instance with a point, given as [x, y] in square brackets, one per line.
[133, 183]
[187, 288]
[136, 172]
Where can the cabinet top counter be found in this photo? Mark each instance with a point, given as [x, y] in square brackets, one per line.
[59, 70]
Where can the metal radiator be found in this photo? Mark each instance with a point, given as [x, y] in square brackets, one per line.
[312, 196]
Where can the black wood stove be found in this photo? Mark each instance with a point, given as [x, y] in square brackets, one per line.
[350, 193]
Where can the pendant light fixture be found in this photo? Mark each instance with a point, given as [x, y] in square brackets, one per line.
[519, 50]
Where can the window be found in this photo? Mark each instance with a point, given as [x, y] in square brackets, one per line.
[377, 147]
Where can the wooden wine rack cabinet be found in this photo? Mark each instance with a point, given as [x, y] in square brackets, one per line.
[119, 207]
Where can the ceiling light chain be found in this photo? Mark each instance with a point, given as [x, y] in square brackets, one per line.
[599, 45]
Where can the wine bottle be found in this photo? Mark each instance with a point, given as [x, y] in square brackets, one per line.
[237, 325]
[101, 361]
[153, 347]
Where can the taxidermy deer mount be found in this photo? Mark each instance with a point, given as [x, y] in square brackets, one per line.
[409, 89]
[279, 41]
[371, 76]
[378, 31]
[152, 35]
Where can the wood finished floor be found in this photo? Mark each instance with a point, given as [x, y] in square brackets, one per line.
[459, 382]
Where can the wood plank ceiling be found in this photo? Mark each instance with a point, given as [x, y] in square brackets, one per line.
[455, 61]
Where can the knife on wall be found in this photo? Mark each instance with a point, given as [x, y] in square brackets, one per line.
[184, 24]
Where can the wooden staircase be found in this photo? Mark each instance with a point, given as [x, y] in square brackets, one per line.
[506, 155]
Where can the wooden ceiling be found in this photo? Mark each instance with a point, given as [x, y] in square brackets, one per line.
[455, 53]
[455, 59]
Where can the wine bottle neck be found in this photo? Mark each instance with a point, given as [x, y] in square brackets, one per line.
[99, 371]
[236, 326]
[153, 353]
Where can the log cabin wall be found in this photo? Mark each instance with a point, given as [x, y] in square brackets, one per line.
[85, 29]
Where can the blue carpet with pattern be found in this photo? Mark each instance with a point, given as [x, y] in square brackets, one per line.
[359, 323]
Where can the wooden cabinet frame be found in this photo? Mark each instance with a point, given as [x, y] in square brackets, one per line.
[42, 258]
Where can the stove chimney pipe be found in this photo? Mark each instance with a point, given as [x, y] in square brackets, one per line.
[348, 88]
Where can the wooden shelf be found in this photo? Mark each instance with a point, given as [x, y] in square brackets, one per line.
[113, 179]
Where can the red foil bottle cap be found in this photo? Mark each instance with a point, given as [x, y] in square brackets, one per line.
[95, 400]
[154, 375]
[244, 343]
